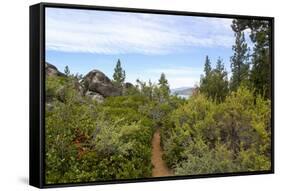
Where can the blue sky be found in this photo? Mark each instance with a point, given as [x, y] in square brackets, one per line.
[146, 44]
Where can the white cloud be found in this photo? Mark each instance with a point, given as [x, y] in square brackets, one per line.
[116, 33]
[178, 82]
[177, 71]
[179, 76]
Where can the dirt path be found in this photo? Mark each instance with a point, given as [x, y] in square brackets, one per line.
[159, 166]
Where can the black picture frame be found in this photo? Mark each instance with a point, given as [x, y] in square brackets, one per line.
[37, 93]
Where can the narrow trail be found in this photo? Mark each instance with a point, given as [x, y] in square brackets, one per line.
[159, 166]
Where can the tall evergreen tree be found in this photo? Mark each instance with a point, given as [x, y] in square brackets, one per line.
[163, 81]
[261, 69]
[205, 79]
[66, 71]
[214, 84]
[240, 59]
[220, 81]
[260, 73]
[220, 66]
[119, 74]
[163, 87]
[207, 66]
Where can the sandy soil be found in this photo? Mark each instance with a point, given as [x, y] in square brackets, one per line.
[159, 166]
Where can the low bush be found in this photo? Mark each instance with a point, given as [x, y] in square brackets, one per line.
[203, 136]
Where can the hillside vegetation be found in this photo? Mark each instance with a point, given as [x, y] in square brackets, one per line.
[101, 129]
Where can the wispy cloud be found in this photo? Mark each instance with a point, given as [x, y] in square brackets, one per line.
[102, 32]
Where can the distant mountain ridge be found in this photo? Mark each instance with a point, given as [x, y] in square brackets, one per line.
[182, 91]
[98, 84]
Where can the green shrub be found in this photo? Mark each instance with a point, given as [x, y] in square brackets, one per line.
[87, 141]
[200, 159]
[203, 136]
[53, 84]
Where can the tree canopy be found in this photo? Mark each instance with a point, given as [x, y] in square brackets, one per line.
[119, 74]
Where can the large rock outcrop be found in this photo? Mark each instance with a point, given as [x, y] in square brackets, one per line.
[51, 70]
[98, 82]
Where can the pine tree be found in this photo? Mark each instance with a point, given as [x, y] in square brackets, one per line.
[66, 71]
[163, 87]
[207, 66]
[163, 82]
[119, 74]
[150, 89]
[205, 79]
[222, 73]
[260, 73]
[214, 83]
[220, 66]
[261, 69]
[220, 81]
[240, 59]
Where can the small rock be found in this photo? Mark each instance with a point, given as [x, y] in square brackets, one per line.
[94, 96]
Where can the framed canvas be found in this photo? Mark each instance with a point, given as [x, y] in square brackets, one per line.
[130, 95]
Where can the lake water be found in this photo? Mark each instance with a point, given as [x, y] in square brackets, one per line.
[184, 96]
